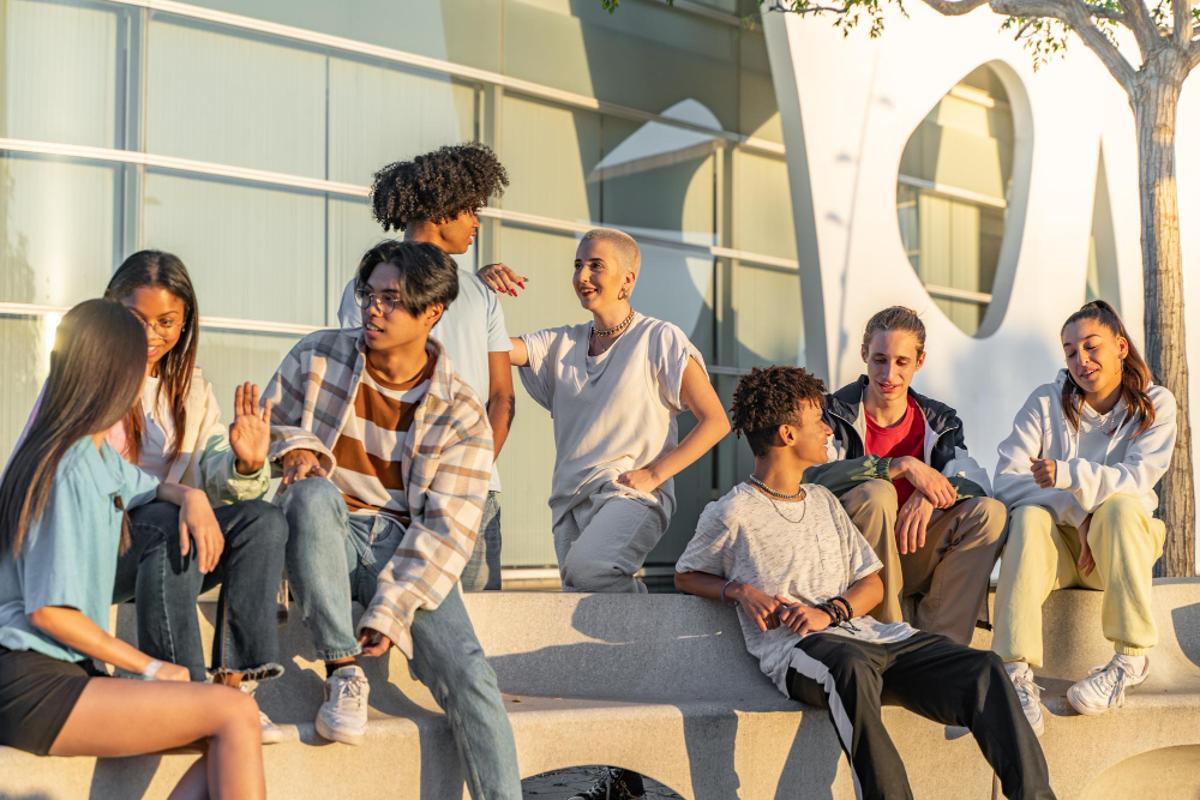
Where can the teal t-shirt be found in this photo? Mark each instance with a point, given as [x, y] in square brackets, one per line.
[69, 557]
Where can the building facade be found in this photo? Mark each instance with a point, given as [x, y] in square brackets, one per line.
[242, 136]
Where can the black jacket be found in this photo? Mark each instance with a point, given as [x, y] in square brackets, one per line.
[945, 445]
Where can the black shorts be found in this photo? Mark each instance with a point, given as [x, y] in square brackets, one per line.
[37, 694]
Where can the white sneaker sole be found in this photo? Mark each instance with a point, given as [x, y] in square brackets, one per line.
[343, 736]
[272, 735]
[1094, 711]
[1039, 727]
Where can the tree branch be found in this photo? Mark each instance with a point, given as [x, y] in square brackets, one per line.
[1105, 12]
[1194, 55]
[1138, 20]
[1184, 24]
[1074, 14]
[955, 8]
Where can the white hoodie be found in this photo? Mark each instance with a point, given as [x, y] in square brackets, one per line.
[1090, 465]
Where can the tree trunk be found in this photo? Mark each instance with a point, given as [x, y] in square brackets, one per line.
[1155, 102]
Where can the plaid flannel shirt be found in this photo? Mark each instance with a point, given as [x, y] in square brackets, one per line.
[446, 457]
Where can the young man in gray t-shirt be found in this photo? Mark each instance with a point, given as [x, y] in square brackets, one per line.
[784, 551]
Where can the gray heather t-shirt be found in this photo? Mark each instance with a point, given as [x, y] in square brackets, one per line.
[810, 556]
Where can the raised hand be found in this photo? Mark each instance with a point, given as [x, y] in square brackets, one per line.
[250, 433]
[502, 279]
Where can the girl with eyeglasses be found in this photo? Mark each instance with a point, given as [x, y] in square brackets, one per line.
[63, 522]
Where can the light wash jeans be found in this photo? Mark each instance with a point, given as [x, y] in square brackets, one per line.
[334, 557]
[483, 568]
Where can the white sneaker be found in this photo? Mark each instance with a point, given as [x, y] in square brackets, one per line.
[1029, 693]
[1105, 687]
[271, 733]
[343, 715]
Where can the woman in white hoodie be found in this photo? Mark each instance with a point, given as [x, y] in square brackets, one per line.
[1078, 474]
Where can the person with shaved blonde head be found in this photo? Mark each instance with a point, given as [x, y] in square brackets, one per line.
[614, 386]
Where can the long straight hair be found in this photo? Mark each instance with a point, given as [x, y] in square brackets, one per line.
[1135, 375]
[94, 379]
[154, 268]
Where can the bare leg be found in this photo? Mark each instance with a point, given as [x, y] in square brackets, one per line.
[194, 783]
[117, 717]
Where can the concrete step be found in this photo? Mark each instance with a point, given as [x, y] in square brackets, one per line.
[662, 684]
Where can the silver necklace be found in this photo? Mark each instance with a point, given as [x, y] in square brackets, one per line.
[614, 330]
[771, 494]
[775, 493]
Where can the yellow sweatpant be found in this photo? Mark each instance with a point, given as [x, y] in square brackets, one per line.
[1040, 556]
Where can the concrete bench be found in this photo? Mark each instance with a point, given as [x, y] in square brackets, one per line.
[662, 684]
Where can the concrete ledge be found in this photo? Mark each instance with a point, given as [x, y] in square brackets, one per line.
[662, 684]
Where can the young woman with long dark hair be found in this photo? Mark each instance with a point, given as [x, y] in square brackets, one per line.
[1078, 474]
[177, 434]
[63, 502]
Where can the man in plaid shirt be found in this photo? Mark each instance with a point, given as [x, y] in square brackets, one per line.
[386, 456]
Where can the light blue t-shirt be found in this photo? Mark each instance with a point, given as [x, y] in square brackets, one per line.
[470, 328]
[69, 556]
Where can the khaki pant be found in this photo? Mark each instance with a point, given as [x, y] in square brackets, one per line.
[948, 577]
[603, 541]
[1041, 556]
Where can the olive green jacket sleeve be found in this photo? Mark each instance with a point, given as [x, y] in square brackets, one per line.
[844, 474]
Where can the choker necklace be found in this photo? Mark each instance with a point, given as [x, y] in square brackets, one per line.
[773, 493]
[614, 330]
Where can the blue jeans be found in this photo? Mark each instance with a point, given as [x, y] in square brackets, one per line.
[165, 585]
[334, 557]
[483, 568]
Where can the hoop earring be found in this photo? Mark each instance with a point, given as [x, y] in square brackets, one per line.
[623, 294]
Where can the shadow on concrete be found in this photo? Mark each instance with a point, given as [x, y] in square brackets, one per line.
[1186, 620]
[628, 662]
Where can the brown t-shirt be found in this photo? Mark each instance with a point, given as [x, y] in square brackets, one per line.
[368, 450]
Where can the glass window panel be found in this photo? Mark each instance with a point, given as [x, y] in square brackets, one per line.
[64, 51]
[56, 228]
[582, 48]
[25, 344]
[762, 207]
[550, 151]
[657, 177]
[380, 114]
[766, 316]
[201, 105]
[230, 358]
[463, 31]
[527, 461]
[679, 287]
[253, 252]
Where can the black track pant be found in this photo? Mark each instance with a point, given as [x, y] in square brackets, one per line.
[931, 676]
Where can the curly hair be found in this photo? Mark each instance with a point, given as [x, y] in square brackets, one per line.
[437, 186]
[769, 397]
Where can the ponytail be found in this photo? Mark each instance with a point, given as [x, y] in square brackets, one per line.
[1135, 375]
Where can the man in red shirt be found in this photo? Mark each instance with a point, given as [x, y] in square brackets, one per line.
[939, 541]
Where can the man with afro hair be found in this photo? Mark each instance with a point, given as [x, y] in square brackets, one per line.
[782, 549]
[435, 198]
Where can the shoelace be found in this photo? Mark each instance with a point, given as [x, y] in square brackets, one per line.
[1110, 680]
[1027, 689]
[349, 689]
